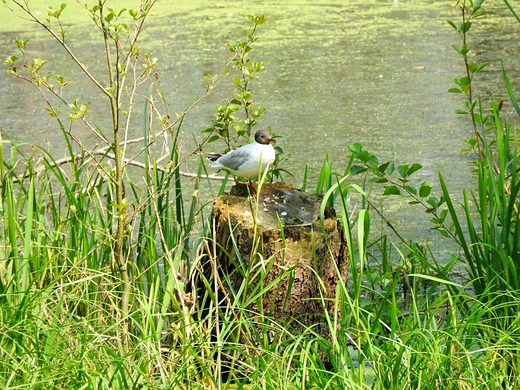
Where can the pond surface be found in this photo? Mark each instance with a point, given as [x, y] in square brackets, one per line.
[336, 72]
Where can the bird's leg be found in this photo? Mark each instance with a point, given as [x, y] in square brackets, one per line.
[252, 188]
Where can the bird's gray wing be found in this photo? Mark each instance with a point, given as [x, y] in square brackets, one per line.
[234, 159]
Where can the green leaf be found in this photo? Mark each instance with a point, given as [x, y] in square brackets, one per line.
[455, 90]
[257, 20]
[10, 60]
[373, 162]
[51, 112]
[425, 189]
[476, 6]
[436, 279]
[473, 67]
[355, 148]
[510, 91]
[461, 50]
[37, 64]
[391, 190]
[55, 13]
[480, 67]
[390, 169]
[403, 170]
[20, 43]
[356, 169]
[479, 118]
[458, 26]
[364, 156]
[463, 81]
[471, 142]
[433, 201]
[442, 231]
[414, 168]
[386, 168]
[452, 24]
[410, 189]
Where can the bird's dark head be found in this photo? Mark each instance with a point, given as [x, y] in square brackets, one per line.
[263, 137]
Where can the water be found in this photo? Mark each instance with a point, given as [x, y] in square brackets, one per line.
[337, 72]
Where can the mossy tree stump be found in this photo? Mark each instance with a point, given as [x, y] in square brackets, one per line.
[279, 242]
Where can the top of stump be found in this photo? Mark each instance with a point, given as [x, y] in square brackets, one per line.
[277, 203]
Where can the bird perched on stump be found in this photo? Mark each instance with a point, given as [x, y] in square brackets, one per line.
[248, 160]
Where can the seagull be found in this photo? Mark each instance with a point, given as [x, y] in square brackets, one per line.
[248, 160]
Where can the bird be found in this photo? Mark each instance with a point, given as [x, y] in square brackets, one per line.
[248, 160]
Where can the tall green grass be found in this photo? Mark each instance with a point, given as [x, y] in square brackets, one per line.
[61, 327]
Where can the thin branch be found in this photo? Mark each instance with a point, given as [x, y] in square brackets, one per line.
[64, 45]
[103, 151]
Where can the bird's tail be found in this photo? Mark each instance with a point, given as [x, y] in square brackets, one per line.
[212, 156]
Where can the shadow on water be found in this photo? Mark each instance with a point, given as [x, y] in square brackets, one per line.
[375, 72]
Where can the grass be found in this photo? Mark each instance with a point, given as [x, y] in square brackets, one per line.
[61, 325]
[404, 325]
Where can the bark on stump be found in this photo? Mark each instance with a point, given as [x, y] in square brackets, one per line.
[300, 247]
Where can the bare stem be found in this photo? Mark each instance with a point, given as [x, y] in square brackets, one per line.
[113, 96]
[470, 86]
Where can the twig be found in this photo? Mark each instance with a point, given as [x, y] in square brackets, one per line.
[103, 151]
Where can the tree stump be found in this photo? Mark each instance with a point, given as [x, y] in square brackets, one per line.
[286, 249]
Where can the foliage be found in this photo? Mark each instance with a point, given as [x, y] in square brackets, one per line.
[470, 10]
[120, 31]
[491, 243]
[487, 232]
[228, 124]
